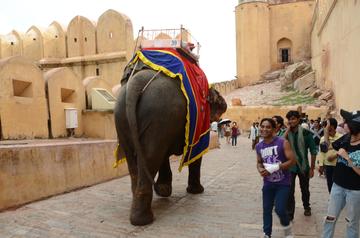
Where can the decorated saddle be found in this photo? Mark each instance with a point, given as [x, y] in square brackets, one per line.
[195, 88]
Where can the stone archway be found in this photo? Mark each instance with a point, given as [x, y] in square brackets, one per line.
[284, 48]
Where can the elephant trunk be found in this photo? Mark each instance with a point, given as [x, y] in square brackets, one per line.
[134, 88]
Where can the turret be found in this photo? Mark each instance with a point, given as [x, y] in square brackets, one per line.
[252, 40]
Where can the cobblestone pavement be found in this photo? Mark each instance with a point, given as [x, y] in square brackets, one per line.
[229, 207]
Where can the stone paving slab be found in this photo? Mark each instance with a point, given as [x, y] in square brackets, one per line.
[229, 207]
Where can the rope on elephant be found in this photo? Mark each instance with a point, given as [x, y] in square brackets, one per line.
[143, 90]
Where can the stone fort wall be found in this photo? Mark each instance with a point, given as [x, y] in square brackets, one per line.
[45, 71]
[335, 48]
[263, 28]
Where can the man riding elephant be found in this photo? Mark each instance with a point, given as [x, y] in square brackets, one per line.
[154, 121]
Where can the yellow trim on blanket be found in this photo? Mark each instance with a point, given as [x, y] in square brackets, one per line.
[117, 160]
[196, 157]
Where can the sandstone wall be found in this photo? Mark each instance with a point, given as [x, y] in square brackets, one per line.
[65, 90]
[252, 41]
[335, 45]
[261, 28]
[81, 37]
[23, 107]
[54, 38]
[32, 172]
[11, 44]
[33, 44]
[226, 87]
[89, 48]
[99, 124]
[291, 21]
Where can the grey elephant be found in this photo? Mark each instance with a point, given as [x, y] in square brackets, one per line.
[150, 120]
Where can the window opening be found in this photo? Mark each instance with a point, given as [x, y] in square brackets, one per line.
[22, 88]
[75, 40]
[285, 55]
[67, 95]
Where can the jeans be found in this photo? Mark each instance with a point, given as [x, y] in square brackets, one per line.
[329, 171]
[305, 193]
[233, 140]
[339, 197]
[277, 194]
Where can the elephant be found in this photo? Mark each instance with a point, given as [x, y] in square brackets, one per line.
[150, 127]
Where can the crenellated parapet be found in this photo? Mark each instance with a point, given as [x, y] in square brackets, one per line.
[50, 71]
[226, 87]
[89, 48]
[65, 65]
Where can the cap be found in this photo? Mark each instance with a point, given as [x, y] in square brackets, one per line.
[350, 116]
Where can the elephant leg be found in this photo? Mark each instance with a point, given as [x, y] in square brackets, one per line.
[133, 171]
[141, 213]
[130, 159]
[194, 185]
[162, 186]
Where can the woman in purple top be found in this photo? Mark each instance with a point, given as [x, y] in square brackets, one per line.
[274, 157]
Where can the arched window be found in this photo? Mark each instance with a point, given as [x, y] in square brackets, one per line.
[284, 50]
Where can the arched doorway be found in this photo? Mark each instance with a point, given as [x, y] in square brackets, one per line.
[284, 46]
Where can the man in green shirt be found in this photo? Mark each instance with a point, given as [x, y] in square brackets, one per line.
[301, 141]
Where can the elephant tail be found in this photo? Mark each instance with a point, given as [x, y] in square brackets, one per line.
[134, 88]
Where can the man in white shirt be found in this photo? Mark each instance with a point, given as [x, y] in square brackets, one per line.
[253, 135]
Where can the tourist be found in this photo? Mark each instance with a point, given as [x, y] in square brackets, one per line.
[227, 132]
[317, 131]
[274, 157]
[280, 126]
[301, 142]
[327, 155]
[311, 125]
[346, 187]
[221, 130]
[252, 135]
[257, 132]
[214, 126]
[234, 133]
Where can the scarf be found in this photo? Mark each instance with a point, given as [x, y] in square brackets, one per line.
[301, 157]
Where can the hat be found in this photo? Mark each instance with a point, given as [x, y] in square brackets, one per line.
[350, 116]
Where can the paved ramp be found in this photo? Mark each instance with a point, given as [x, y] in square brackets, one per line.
[229, 207]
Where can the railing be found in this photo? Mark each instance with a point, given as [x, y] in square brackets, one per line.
[170, 38]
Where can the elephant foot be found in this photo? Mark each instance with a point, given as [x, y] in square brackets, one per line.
[195, 189]
[163, 190]
[141, 218]
[141, 213]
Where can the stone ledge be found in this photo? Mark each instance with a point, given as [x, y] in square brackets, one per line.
[30, 171]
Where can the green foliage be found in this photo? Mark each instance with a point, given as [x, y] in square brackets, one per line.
[294, 98]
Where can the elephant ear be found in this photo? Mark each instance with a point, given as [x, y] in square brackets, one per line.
[216, 101]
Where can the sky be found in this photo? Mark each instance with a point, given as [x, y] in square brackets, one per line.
[212, 23]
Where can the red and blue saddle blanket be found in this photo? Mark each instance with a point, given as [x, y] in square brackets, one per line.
[195, 88]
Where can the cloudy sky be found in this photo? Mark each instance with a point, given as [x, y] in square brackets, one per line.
[212, 23]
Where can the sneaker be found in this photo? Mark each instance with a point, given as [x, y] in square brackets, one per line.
[265, 236]
[307, 211]
[288, 231]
